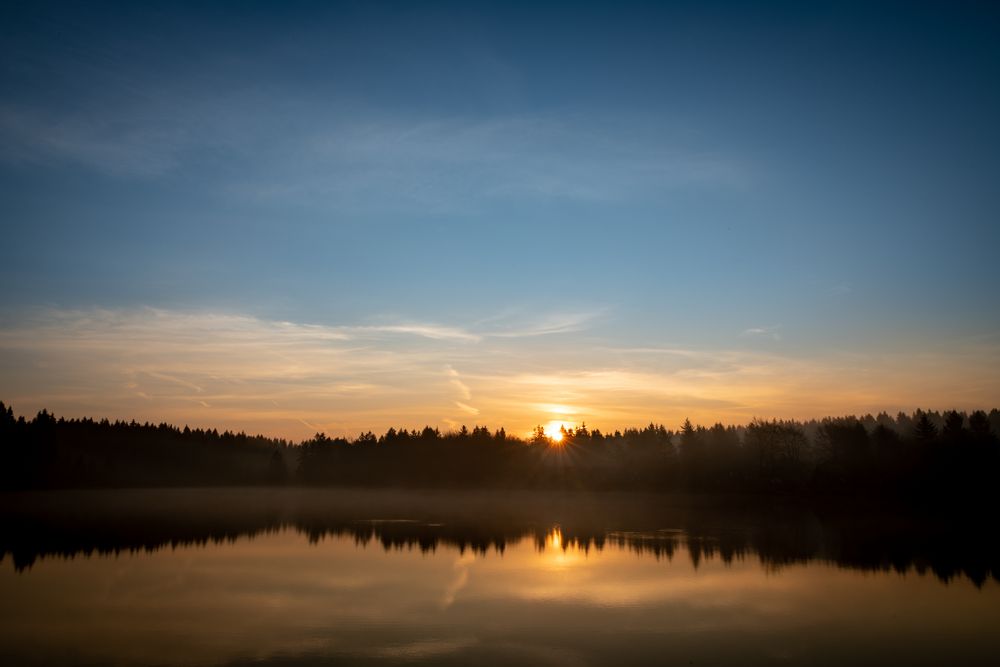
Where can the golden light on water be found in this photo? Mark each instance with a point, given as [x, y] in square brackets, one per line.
[555, 538]
[201, 616]
[560, 554]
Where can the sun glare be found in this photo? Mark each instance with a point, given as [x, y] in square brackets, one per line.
[556, 430]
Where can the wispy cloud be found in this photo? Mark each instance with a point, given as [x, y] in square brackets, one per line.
[431, 331]
[97, 141]
[468, 409]
[515, 156]
[292, 379]
[361, 158]
[464, 391]
[456, 382]
[550, 324]
[771, 332]
[459, 164]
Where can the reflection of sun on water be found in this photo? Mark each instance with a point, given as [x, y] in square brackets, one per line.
[555, 539]
[558, 554]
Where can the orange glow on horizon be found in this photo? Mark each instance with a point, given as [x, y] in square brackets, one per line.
[289, 380]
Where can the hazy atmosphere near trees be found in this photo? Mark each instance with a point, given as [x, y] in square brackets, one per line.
[922, 459]
[499, 333]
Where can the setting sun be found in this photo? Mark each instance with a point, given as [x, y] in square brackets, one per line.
[556, 430]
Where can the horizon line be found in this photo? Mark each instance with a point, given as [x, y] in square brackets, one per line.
[6, 408]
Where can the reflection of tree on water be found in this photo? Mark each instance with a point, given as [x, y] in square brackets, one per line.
[111, 522]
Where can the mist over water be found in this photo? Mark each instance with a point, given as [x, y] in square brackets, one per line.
[293, 576]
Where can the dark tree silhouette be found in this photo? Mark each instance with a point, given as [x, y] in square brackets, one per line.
[909, 457]
[924, 428]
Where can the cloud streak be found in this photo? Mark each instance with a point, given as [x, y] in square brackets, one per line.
[362, 158]
[456, 382]
[763, 332]
[292, 379]
[431, 331]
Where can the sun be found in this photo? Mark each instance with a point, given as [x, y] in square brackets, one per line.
[556, 430]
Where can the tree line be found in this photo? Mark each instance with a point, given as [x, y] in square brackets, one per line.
[924, 454]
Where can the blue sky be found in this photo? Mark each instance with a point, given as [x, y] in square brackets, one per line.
[570, 188]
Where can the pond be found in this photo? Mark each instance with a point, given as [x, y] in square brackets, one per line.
[308, 577]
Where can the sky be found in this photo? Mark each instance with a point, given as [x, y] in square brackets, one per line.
[298, 217]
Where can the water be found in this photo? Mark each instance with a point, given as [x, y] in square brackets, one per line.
[240, 577]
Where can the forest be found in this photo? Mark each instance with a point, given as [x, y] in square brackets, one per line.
[926, 456]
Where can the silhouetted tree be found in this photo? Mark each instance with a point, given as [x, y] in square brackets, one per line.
[924, 428]
[780, 449]
[277, 471]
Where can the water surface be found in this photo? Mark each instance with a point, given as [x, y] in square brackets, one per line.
[295, 577]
